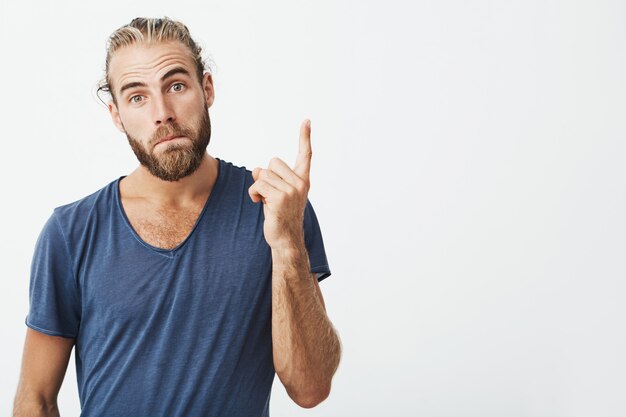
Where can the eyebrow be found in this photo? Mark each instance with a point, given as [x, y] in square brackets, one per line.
[170, 73]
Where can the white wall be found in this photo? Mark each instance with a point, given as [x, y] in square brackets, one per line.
[468, 176]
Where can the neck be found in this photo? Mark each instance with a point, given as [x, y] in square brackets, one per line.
[141, 184]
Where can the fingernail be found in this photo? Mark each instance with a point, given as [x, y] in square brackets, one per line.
[308, 124]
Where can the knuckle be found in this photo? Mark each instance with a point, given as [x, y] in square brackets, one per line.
[302, 186]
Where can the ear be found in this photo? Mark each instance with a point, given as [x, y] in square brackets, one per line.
[207, 87]
[115, 116]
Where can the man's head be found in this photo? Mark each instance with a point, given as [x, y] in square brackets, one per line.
[159, 90]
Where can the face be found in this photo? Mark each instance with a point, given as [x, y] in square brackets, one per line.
[159, 97]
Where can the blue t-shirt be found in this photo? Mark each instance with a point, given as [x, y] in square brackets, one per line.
[164, 332]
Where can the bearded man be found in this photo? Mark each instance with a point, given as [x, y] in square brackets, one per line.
[185, 286]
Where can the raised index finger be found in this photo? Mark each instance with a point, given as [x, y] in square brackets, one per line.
[303, 162]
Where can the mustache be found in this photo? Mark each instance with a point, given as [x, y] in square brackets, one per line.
[169, 130]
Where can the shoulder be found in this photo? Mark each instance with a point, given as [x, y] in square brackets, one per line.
[78, 213]
[231, 171]
[234, 180]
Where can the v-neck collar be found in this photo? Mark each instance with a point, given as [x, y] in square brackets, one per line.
[170, 253]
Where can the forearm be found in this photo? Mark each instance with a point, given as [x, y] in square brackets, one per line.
[306, 346]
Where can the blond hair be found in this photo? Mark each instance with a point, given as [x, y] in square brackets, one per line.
[150, 30]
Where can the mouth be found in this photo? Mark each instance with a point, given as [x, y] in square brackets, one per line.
[168, 138]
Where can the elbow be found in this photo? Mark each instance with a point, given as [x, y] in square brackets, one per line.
[311, 398]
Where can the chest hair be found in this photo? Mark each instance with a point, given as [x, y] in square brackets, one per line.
[162, 228]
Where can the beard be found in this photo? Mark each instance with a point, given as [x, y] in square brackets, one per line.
[177, 160]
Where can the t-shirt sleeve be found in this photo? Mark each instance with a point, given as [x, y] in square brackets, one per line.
[315, 244]
[53, 293]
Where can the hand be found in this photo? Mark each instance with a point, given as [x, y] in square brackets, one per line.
[284, 192]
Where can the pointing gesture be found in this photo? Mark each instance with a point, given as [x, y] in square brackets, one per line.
[283, 192]
[303, 162]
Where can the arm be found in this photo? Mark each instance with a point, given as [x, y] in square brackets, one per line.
[44, 363]
[306, 346]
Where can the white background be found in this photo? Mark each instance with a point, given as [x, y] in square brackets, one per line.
[468, 175]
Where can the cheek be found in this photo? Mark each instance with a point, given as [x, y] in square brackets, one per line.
[195, 101]
[136, 123]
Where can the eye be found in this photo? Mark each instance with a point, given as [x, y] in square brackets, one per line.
[178, 87]
[133, 99]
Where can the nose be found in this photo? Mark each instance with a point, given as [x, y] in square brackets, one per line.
[163, 111]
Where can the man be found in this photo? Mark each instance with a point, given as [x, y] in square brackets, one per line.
[187, 284]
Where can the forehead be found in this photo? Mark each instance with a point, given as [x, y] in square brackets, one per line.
[142, 60]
